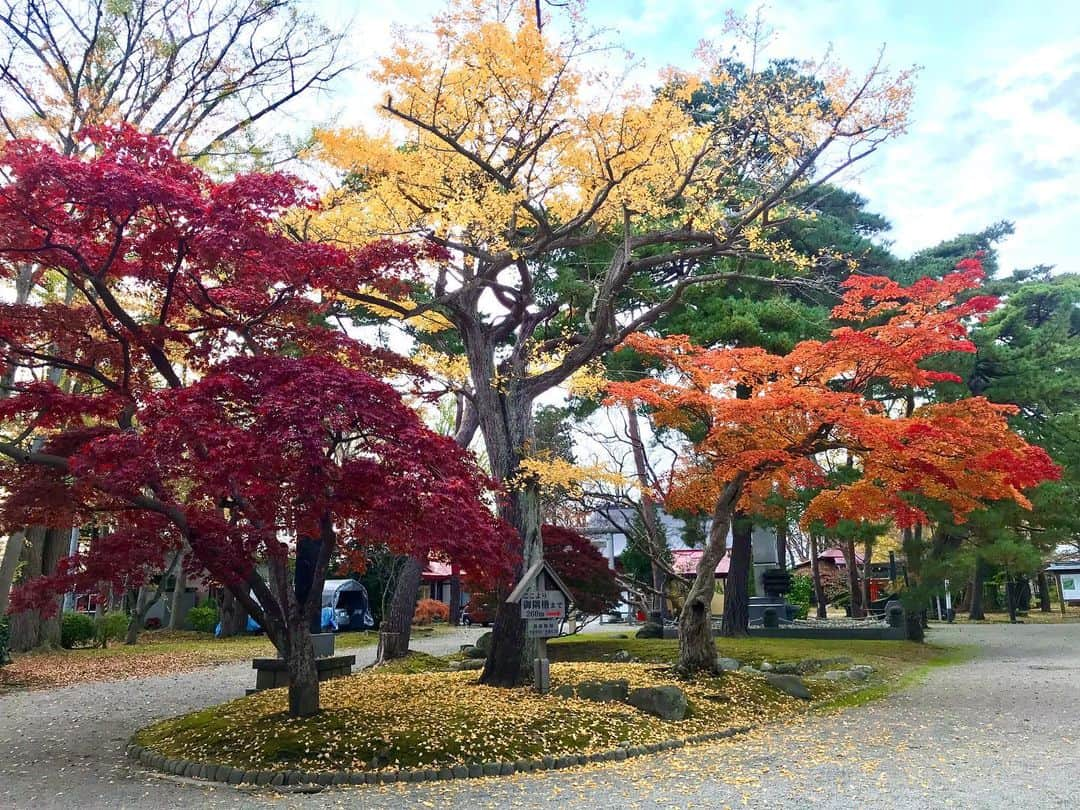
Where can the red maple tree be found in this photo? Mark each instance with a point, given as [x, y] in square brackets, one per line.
[186, 389]
[818, 399]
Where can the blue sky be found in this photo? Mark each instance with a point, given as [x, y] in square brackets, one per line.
[995, 130]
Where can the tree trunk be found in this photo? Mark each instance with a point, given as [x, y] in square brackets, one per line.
[41, 552]
[697, 647]
[868, 551]
[455, 595]
[648, 511]
[978, 578]
[781, 545]
[815, 574]
[857, 609]
[737, 584]
[396, 628]
[10, 563]
[1010, 597]
[138, 616]
[1044, 593]
[233, 616]
[303, 676]
[176, 605]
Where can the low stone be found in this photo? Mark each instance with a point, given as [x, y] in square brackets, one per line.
[325, 779]
[446, 772]
[835, 675]
[548, 762]
[507, 769]
[484, 642]
[603, 691]
[474, 652]
[475, 770]
[789, 684]
[471, 664]
[749, 670]
[869, 670]
[766, 666]
[460, 771]
[622, 657]
[564, 691]
[857, 675]
[786, 668]
[264, 777]
[620, 754]
[340, 778]
[455, 666]
[236, 776]
[389, 777]
[727, 664]
[277, 780]
[358, 778]
[294, 778]
[717, 697]
[650, 630]
[491, 768]
[665, 702]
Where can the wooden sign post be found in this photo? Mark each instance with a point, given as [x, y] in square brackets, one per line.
[544, 601]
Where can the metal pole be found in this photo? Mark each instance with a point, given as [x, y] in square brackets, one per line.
[948, 602]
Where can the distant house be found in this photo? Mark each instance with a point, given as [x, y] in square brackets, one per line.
[831, 562]
[607, 530]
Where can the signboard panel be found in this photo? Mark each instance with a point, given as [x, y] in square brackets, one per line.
[542, 628]
[1070, 587]
[543, 605]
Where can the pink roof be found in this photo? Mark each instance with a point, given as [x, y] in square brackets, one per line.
[685, 561]
[436, 570]
[837, 556]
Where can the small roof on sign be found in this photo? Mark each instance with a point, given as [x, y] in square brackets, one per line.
[533, 573]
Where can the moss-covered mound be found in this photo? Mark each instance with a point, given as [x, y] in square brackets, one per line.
[392, 719]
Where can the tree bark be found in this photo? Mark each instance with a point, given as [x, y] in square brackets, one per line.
[857, 609]
[455, 595]
[40, 554]
[648, 511]
[737, 584]
[978, 578]
[396, 628]
[177, 602]
[303, 676]
[233, 616]
[815, 574]
[697, 647]
[146, 601]
[1044, 593]
[9, 565]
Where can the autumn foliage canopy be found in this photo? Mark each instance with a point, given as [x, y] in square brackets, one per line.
[204, 398]
[835, 401]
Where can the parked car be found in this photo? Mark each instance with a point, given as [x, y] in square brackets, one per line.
[479, 610]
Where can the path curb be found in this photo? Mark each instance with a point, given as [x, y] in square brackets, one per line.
[226, 774]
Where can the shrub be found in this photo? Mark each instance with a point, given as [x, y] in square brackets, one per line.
[111, 626]
[204, 617]
[431, 610]
[801, 594]
[4, 656]
[76, 629]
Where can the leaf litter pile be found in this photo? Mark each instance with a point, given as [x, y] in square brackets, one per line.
[377, 720]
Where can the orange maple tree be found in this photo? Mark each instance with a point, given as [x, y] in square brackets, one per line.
[797, 409]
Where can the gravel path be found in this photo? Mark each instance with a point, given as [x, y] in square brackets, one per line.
[1002, 730]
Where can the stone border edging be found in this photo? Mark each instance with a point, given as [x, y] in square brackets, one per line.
[270, 778]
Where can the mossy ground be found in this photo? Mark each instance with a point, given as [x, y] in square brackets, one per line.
[414, 714]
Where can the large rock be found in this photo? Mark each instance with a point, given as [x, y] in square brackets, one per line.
[474, 652]
[666, 702]
[484, 643]
[602, 691]
[727, 664]
[622, 657]
[650, 630]
[471, 663]
[789, 685]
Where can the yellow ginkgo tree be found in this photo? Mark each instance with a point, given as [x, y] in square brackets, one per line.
[575, 208]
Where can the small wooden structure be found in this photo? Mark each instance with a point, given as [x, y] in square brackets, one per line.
[544, 601]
